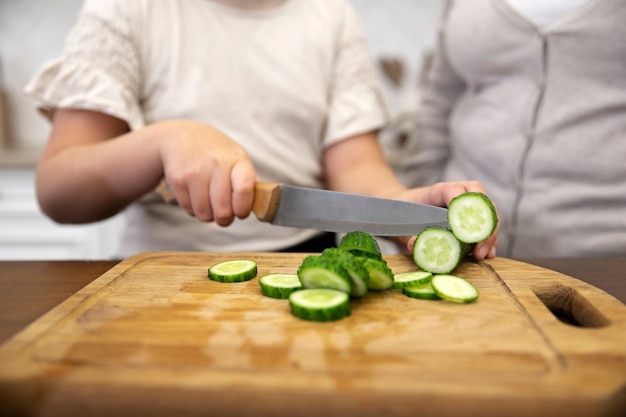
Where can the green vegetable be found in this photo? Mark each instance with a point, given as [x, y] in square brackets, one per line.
[353, 266]
[279, 285]
[454, 288]
[361, 244]
[437, 250]
[412, 279]
[423, 292]
[317, 271]
[381, 276]
[233, 271]
[472, 217]
[320, 304]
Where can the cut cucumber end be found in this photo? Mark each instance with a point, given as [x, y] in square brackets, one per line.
[320, 277]
[380, 275]
[320, 304]
[353, 266]
[472, 217]
[279, 286]
[237, 270]
[454, 288]
[317, 271]
[437, 250]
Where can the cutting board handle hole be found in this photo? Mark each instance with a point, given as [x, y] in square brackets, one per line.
[570, 307]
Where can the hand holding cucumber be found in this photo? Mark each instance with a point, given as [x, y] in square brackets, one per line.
[443, 194]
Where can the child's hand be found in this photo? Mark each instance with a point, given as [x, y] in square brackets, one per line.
[209, 174]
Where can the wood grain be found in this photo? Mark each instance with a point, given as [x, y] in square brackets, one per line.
[154, 336]
[266, 200]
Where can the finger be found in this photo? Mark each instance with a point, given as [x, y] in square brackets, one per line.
[178, 189]
[488, 247]
[439, 194]
[200, 199]
[221, 197]
[474, 186]
[484, 250]
[243, 178]
[450, 190]
[406, 243]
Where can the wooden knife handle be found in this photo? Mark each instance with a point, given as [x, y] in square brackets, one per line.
[167, 194]
[266, 200]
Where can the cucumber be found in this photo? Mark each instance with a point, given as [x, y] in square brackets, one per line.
[380, 275]
[472, 217]
[454, 288]
[320, 304]
[279, 285]
[360, 244]
[412, 279]
[317, 271]
[237, 270]
[353, 266]
[422, 292]
[437, 250]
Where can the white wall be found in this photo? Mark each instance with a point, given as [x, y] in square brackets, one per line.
[33, 31]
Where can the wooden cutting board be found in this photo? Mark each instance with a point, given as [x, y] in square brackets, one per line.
[154, 337]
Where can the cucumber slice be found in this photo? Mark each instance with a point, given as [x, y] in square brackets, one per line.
[453, 288]
[422, 292]
[237, 270]
[437, 250]
[360, 244]
[412, 279]
[317, 271]
[353, 266]
[320, 304]
[279, 285]
[381, 276]
[472, 217]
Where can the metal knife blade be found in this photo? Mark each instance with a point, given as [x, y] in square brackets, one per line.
[333, 211]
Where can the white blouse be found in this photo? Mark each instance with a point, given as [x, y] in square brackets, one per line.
[284, 82]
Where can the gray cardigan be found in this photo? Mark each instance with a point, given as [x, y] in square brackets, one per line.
[539, 116]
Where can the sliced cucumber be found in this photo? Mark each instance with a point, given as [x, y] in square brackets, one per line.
[279, 285]
[454, 288]
[437, 250]
[472, 217]
[423, 292]
[381, 276]
[317, 271]
[411, 279]
[353, 266]
[360, 244]
[320, 304]
[237, 270]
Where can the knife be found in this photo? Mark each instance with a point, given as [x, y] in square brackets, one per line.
[333, 211]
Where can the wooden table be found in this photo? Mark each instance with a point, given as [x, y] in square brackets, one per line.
[31, 288]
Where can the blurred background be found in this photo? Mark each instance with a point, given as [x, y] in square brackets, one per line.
[400, 33]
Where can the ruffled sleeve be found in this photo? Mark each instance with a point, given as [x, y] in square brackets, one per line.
[357, 102]
[100, 70]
